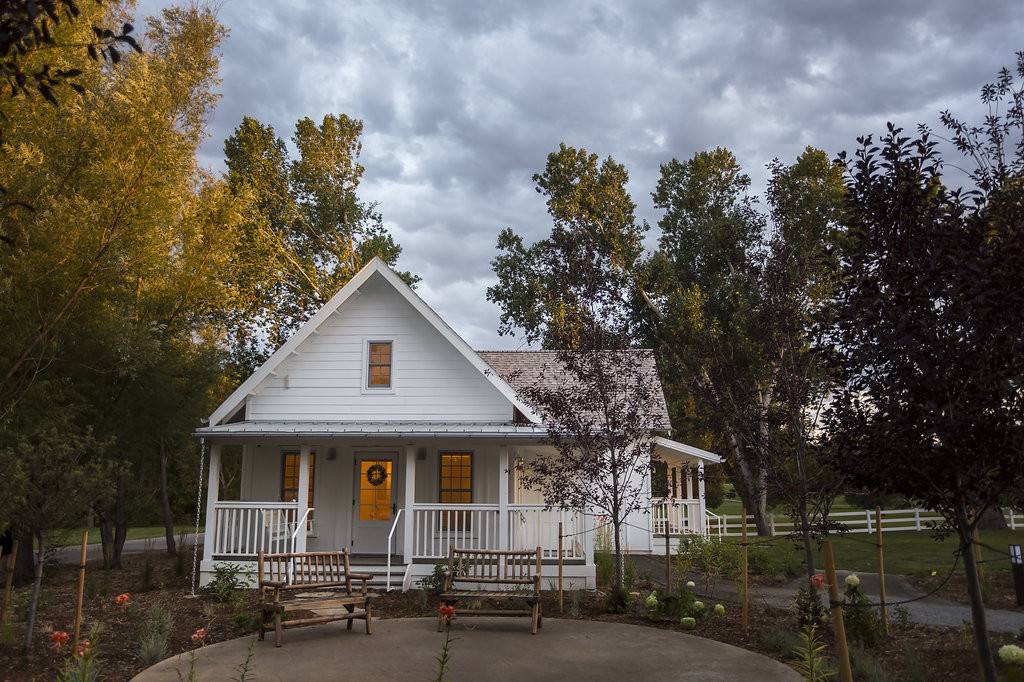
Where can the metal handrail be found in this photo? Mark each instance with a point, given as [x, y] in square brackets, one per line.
[394, 525]
[718, 521]
[300, 525]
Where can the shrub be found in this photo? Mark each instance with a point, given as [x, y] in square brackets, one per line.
[246, 621]
[147, 573]
[688, 623]
[866, 668]
[714, 559]
[778, 641]
[604, 565]
[154, 634]
[809, 609]
[226, 583]
[863, 624]
[677, 604]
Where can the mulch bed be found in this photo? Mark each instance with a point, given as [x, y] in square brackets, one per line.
[911, 653]
[999, 587]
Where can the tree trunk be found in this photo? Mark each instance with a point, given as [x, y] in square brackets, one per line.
[24, 563]
[620, 572]
[992, 519]
[165, 502]
[37, 584]
[981, 640]
[107, 539]
[120, 524]
[755, 498]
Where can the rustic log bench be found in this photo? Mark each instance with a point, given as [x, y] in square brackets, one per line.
[493, 575]
[306, 581]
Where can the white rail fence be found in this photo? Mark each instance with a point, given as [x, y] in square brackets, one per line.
[893, 520]
[243, 529]
[534, 526]
[681, 517]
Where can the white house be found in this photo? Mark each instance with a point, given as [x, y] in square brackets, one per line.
[376, 427]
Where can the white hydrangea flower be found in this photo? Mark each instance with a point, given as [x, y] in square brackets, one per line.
[690, 584]
[1011, 654]
[852, 580]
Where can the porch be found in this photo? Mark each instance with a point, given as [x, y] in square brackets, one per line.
[398, 508]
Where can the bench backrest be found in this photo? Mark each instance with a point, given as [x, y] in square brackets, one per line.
[304, 569]
[515, 567]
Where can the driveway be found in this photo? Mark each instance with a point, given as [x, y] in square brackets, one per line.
[94, 552]
[491, 649]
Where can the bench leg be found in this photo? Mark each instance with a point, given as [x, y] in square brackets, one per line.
[263, 624]
[536, 618]
[369, 628]
[350, 608]
[278, 630]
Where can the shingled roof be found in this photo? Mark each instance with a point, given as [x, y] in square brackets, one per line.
[524, 368]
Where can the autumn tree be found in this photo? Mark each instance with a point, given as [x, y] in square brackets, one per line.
[930, 318]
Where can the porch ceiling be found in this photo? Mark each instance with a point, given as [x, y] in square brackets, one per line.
[394, 429]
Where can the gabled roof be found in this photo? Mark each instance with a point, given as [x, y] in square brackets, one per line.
[525, 368]
[380, 268]
[684, 449]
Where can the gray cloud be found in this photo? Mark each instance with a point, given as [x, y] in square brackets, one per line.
[463, 101]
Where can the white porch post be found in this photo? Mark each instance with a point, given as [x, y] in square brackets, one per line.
[302, 499]
[503, 539]
[410, 498]
[702, 523]
[689, 481]
[212, 495]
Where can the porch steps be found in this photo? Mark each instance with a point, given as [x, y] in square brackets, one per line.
[379, 571]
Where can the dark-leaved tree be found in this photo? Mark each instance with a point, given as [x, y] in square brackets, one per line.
[931, 322]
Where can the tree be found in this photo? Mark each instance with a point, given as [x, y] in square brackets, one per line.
[31, 28]
[572, 291]
[703, 289]
[799, 277]
[547, 290]
[306, 232]
[598, 405]
[929, 322]
[56, 461]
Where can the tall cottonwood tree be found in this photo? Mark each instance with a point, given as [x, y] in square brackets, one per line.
[929, 322]
[306, 232]
[598, 397]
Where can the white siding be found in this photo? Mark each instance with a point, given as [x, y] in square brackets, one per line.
[325, 379]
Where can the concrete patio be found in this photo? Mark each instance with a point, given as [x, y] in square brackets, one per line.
[494, 649]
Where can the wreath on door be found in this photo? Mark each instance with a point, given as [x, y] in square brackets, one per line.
[376, 475]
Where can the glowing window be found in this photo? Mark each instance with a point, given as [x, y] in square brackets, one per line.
[456, 477]
[378, 374]
[290, 477]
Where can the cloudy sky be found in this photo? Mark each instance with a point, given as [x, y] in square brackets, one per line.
[463, 101]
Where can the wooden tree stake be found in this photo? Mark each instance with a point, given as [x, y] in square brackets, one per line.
[81, 586]
[668, 559]
[842, 647]
[561, 605]
[881, 570]
[12, 562]
[745, 611]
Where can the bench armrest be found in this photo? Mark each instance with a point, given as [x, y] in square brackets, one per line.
[272, 583]
[360, 576]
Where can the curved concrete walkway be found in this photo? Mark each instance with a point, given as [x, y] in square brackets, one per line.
[491, 649]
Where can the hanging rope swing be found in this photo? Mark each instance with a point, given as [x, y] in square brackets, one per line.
[199, 505]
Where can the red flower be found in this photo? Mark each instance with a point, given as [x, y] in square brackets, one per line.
[199, 635]
[818, 581]
[447, 611]
[83, 648]
[122, 599]
[59, 639]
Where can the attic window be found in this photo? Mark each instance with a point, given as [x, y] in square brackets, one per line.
[378, 371]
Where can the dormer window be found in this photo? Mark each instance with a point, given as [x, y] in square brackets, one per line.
[378, 370]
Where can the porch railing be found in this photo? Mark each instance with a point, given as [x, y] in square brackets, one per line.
[531, 525]
[243, 529]
[437, 527]
[679, 516]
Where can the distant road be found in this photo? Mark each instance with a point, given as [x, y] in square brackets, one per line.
[70, 553]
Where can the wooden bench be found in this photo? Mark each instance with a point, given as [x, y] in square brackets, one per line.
[306, 581]
[494, 575]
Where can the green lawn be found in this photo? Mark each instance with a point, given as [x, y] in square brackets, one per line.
[733, 506]
[907, 552]
[73, 536]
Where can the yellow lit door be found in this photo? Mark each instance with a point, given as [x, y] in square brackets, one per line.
[374, 506]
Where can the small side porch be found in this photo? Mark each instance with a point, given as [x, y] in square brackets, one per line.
[678, 506]
[397, 506]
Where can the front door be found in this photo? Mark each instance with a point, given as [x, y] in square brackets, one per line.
[374, 505]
